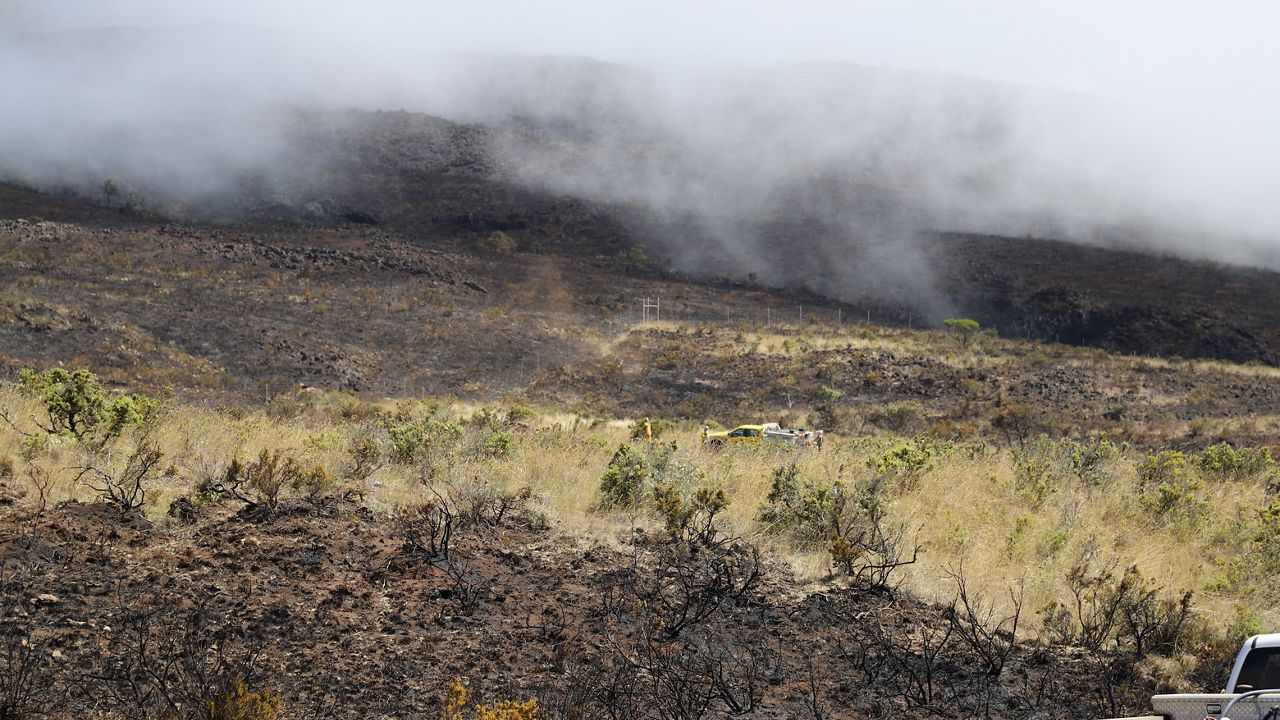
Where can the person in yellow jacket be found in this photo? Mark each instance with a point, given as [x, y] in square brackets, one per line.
[648, 431]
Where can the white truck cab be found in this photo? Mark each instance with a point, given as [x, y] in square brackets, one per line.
[1257, 665]
[1252, 691]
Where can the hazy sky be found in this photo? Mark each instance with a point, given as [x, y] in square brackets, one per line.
[1168, 119]
[1173, 51]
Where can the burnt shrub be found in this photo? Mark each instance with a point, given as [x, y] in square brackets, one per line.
[850, 520]
[125, 486]
[261, 483]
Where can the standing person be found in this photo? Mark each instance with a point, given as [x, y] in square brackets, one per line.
[817, 440]
[648, 431]
[705, 431]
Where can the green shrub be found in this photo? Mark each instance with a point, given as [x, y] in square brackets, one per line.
[666, 466]
[851, 522]
[1227, 461]
[423, 439]
[693, 517]
[1035, 470]
[625, 480]
[33, 446]
[630, 259]
[820, 509]
[519, 413]
[1015, 543]
[1165, 466]
[498, 444]
[964, 328]
[908, 461]
[77, 406]
[811, 508]
[633, 475]
[1169, 492]
[364, 455]
[125, 410]
[1266, 534]
[828, 394]
[1089, 458]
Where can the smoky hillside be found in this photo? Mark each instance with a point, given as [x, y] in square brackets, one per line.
[833, 178]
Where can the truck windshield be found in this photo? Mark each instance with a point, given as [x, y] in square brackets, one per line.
[1261, 669]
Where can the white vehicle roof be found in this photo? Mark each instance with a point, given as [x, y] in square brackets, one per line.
[1268, 640]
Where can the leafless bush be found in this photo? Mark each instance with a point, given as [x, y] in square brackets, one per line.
[467, 588]
[594, 689]
[169, 663]
[1152, 621]
[686, 678]
[1090, 616]
[992, 638]
[868, 546]
[684, 576]
[923, 685]
[25, 686]
[1124, 609]
[127, 486]
[42, 482]
[813, 699]
[680, 584]
[427, 528]
[485, 506]
[1018, 422]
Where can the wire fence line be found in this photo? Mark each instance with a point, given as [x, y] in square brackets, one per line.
[650, 309]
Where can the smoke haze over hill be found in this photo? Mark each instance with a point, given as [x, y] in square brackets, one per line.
[751, 137]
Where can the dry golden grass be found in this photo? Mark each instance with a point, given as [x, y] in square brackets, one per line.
[968, 512]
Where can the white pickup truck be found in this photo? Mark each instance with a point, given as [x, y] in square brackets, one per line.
[1252, 692]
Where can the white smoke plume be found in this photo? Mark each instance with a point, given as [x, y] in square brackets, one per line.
[757, 140]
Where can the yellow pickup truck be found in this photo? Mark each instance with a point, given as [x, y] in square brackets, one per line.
[740, 434]
[766, 431]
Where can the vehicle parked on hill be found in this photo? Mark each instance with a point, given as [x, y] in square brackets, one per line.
[1252, 691]
[764, 431]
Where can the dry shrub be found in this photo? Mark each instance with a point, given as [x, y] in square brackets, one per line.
[259, 484]
[457, 695]
[1125, 609]
[124, 487]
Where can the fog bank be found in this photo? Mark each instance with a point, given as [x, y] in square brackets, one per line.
[743, 152]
